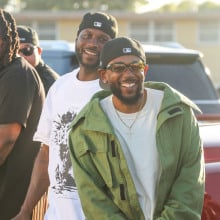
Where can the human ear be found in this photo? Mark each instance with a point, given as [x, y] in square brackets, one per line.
[102, 75]
[40, 50]
[146, 69]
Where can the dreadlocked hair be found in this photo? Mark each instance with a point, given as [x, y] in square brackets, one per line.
[9, 35]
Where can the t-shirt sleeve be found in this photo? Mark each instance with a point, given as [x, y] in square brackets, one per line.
[45, 123]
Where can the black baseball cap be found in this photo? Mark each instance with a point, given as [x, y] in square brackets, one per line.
[101, 21]
[27, 35]
[121, 46]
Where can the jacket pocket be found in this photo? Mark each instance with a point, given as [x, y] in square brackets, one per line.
[95, 155]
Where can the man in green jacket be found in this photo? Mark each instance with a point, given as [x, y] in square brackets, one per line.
[136, 149]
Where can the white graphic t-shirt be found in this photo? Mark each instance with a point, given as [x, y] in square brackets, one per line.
[64, 100]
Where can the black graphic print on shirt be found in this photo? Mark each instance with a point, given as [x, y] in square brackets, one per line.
[64, 178]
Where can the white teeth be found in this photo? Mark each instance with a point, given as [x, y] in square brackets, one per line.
[128, 85]
[90, 52]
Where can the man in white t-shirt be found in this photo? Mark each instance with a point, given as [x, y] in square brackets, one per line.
[65, 99]
[136, 149]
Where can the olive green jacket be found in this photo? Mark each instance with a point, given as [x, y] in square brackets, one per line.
[105, 185]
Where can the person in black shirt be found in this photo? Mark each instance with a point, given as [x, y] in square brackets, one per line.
[21, 100]
[31, 51]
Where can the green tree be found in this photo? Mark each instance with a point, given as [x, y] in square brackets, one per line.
[3, 3]
[187, 5]
[209, 5]
[168, 7]
[56, 5]
[190, 5]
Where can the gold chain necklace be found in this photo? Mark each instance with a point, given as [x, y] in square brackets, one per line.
[127, 126]
[136, 116]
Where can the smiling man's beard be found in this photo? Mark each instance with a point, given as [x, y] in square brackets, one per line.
[127, 100]
[86, 65]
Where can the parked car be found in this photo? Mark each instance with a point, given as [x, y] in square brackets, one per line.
[59, 55]
[183, 69]
[211, 141]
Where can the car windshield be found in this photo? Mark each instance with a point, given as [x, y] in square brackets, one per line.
[187, 78]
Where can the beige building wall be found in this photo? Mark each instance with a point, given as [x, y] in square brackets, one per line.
[67, 30]
[211, 59]
[185, 33]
